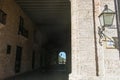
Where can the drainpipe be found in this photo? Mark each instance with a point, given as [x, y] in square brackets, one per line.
[95, 40]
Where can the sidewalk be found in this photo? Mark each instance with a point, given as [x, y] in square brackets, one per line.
[37, 75]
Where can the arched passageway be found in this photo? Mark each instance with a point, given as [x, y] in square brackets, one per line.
[42, 28]
[52, 32]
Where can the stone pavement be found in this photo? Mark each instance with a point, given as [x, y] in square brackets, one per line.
[37, 75]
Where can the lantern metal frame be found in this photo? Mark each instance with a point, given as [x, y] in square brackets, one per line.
[107, 14]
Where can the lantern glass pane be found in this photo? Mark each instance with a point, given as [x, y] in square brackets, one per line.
[101, 20]
[108, 19]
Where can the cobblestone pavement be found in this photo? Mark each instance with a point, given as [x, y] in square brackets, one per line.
[37, 75]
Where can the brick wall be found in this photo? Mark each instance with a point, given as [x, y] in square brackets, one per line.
[9, 36]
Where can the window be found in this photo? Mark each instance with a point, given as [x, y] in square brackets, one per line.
[3, 17]
[62, 58]
[22, 29]
[8, 49]
[21, 25]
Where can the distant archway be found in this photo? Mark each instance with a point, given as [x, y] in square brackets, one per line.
[62, 58]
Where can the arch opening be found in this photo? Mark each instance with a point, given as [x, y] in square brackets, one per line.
[62, 58]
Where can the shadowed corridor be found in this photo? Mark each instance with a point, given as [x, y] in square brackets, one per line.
[41, 48]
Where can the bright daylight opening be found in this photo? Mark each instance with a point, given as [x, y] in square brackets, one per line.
[62, 58]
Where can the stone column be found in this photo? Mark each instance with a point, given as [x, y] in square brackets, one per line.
[83, 43]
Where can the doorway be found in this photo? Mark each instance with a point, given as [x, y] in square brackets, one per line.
[33, 60]
[18, 59]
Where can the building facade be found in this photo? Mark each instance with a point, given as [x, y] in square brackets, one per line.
[16, 42]
[92, 58]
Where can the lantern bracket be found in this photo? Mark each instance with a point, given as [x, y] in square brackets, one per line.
[106, 20]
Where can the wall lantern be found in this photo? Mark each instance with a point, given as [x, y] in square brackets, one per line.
[106, 20]
[106, 17]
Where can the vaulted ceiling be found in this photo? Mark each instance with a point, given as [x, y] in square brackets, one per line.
[52, 18]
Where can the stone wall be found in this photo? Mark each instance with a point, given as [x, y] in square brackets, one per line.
[9, 36]
[83, 46]
[108, 56]
[90, 60]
